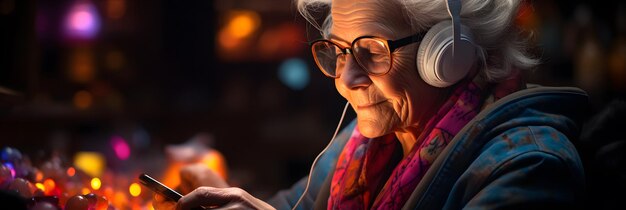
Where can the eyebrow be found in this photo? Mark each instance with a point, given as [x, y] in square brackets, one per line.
[336, 38]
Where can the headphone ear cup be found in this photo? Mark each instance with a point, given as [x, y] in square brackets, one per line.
[435, 61]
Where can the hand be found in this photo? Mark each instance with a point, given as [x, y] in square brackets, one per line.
[221, 198]
[198, 175]
[214, 198]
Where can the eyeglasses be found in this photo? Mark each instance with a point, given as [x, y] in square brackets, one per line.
[373, 54]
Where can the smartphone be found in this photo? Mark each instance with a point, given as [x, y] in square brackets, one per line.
[158, 187]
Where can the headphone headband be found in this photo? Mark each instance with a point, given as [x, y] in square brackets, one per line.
[454, 9]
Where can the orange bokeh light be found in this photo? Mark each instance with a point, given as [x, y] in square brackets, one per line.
[49, 185]
[81, 65]
[83, 99]
[71, 171]
[239, 25]
[120, 200]
[38, 176]
[243, 23]
[227, 41]
[115, 9]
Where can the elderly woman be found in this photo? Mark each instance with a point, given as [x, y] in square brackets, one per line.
[444, 120]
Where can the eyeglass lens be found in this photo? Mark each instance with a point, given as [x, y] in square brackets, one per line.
[371, 54]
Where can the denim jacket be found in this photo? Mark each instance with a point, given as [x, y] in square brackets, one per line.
[516, 153]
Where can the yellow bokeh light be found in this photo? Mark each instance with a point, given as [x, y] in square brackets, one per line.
[83, 99]
[134, 189]
[40, 186]
[95, 183]
[91, 163]
[85, 191]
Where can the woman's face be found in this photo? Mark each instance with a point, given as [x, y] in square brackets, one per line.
[397, 101]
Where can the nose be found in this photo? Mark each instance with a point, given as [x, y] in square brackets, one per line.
[353, 76]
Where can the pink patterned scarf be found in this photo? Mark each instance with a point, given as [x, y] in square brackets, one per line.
[371, 173]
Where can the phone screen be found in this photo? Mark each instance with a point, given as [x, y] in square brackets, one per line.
[158, 187]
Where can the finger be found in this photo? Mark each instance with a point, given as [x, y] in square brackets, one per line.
[189, 179]
[185, 186]
[232, 206]
[209, 196]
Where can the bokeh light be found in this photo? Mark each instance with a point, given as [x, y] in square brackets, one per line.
[71, 171]
[11, 168]
[40, 186]
[282, 41]
[294, 73]
[96, 183]
[38, 176]
[83, 99]
[120, 199]
[82, 65]
[243, 23]
[240, 24]
[227, 41]
[82, 21]
[92, 163]
[85, 191]
[49, 185]
[134, 189]
[120, 147]
[115, 9]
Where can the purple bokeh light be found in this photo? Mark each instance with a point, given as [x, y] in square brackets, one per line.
[120, 147]
[82, 21]
[11, 168]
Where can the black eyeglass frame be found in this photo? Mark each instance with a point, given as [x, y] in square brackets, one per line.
[391, 45]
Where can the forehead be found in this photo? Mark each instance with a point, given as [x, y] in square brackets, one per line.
[352, 19]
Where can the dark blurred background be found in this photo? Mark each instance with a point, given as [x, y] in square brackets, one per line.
[76, 73]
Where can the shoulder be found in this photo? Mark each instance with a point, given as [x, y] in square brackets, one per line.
[522, 166]
[530, 140]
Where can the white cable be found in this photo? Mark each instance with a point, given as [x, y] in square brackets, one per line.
[308, 181]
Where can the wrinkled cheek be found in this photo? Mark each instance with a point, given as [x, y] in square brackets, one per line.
[378, 121]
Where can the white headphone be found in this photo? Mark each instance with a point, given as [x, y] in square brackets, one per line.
[447, 51]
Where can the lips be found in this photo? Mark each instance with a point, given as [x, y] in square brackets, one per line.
[368, 105]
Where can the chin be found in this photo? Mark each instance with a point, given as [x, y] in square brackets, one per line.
[370, 129]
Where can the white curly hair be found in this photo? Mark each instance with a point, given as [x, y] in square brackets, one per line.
[491, 21]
